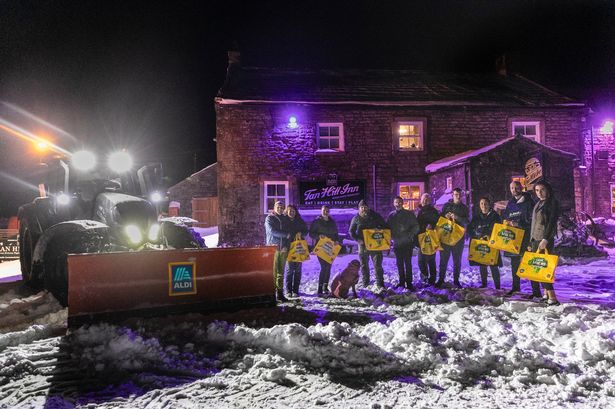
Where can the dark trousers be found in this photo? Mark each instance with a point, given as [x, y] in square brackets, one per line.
[403, 255]
[323, 277]
[376, 257]
[495, 273]
[515, 261]
[445, 254]
[427, 265]
[293, 277]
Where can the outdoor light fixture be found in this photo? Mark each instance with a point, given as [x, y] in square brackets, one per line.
[292, 122]
[83, 160]
[120, 162]
[607, 127]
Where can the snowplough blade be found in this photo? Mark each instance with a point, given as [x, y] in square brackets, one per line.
[108, 286]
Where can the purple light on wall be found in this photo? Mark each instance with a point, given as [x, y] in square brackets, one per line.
[292, 122]
[607, 127]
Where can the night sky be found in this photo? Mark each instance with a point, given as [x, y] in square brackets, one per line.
[143, 75]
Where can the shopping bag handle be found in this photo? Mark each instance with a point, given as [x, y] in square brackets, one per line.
[545, 250]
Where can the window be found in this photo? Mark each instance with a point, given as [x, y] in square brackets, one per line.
[612, 199]
[409, 135]
[529, 129]
[330, 137]
[449, 184]
[411, 193]
[520, 179]
[274, 191]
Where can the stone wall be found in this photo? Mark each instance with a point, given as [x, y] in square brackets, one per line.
[255, 144]
[203, 183]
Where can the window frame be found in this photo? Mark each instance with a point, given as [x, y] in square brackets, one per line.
[422, 124]
[421, 186]
[525, 122]
[612, 196]
[267, 183]
[341, 137]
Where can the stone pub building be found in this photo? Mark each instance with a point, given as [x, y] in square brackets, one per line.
[310, 137]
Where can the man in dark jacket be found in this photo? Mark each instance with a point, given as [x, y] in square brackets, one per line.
[518, 213]
[404, 226]
[368, 219]
[456, 211]
[427, 217]
[324, 226]
[277, 235]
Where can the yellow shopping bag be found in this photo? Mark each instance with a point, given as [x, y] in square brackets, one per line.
[481, 252]
[377, 239]
[449, 231]
[506, 238]
[298, 251]
[538, 267]
[327, 250]
[429, 242]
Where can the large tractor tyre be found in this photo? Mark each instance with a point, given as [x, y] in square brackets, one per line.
[181, 237]
[27, 242]
[56, 278]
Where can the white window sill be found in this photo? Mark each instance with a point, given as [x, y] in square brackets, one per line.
[328, 151]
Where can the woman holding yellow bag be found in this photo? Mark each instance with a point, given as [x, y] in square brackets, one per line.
[324, 226]
[543, 230]
[481, 226]
[297, 230]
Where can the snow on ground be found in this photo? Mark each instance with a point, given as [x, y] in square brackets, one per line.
[443, 348]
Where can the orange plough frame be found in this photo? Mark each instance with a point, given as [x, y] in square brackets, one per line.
[116, 285]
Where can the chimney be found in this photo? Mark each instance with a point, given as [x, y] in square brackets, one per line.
[500, 65]
[234, 58]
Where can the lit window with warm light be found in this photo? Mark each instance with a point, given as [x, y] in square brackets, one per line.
[411, 192]
[409, 135]
[607, 127]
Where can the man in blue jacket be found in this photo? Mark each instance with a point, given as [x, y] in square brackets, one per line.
[277, 235]
[518, 213]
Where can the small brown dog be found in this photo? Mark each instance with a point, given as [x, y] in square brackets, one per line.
[348, 278]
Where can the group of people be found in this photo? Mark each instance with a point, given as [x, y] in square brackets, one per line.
[538, 220]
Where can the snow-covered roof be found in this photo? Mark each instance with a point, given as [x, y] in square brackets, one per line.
[462, 157]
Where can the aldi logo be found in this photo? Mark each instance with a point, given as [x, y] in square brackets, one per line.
[182, 278]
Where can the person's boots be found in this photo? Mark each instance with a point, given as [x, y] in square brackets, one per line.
[280, 296]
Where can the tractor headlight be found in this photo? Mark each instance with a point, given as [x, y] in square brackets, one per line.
[133, 233]
[83, 160]
[120, 162]
[62, 199]
[156, 197]
[154, 231]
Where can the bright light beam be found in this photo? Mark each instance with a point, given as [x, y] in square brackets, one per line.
[30, 186]
[15, 130]
[37, 119]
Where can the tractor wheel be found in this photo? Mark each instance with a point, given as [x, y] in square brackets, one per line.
[56, 276]
[27, 242]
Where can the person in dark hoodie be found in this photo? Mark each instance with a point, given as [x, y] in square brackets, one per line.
[297, 229]
[404, 226]
[518, 213]
[427, 217]
[480, 227]
[324, 226]
[545, 214]
[276, 234]
[368, 219]
[456, 211]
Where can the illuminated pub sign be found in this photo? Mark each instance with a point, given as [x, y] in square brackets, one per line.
[9, 245]
[346, 193]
